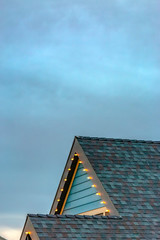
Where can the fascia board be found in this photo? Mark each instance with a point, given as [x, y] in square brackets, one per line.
[64, 175]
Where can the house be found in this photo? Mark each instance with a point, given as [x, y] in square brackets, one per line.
[110, 189]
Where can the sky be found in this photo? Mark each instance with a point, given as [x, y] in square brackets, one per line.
[88, 68]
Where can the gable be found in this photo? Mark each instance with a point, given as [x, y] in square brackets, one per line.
[83, 195]
[28, 232]
[76, 194]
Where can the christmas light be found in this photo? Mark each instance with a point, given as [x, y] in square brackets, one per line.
[89, 178]
[76, 154]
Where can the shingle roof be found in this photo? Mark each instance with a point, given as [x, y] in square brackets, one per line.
[91, 227]
[130, 173]
[75, 226]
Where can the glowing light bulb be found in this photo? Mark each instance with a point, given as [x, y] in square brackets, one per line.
[93, 185]
[69, 169]
[65, 179]
[58, 200]
[61, 189]
[98, 193]
[107, 210]
[56, 210]
[89, 178]
[103, 202]
[76, 154]
[80, 161]
[27, 233]
[72, 159]
[85, 170]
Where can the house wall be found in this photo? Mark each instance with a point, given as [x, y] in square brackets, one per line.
[82, 196]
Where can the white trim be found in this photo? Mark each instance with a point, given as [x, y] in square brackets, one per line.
[95, 211]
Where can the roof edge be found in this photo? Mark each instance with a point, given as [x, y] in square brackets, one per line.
[73, 216]
[54, 200]
[117, 139]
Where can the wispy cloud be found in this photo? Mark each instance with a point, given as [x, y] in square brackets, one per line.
[10, 233]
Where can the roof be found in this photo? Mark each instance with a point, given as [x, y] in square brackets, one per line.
[90, 227]
[129, 171]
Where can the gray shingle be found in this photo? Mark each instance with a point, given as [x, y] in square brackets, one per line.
[130, 173]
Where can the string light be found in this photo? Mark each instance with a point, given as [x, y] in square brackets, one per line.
[98, 193]
[27, 233]
[76, 154]
[107, 211]
[61, 189]
[56, 210]
[58, 200]
[103, 202]
[65, 179]
[93, 185]
[69, 169]
[72, 159]
[85, 170]
[80, 161]
[89, 178]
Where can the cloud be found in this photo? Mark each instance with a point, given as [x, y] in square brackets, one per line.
[10, 233]
[70, 68]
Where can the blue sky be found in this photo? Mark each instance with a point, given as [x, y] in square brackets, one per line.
[70, 68]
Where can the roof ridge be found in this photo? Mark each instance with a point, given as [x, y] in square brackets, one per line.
[73, 216]
[117, 139]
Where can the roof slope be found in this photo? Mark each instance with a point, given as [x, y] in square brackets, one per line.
[90, 227]
[130, 173]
